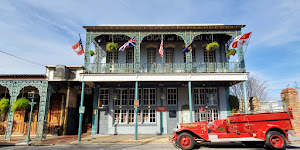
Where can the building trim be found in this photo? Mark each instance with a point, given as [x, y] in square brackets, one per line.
[164, 77]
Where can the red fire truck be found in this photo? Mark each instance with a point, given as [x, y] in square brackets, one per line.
[267, 128]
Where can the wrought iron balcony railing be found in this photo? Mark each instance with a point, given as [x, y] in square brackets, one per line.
[198, 67]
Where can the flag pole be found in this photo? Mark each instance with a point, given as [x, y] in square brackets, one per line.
[247, 44]
[79, 36]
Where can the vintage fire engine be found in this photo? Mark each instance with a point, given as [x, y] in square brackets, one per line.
[266, 128]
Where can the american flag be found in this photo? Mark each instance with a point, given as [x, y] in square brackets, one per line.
[78, 48]
[131, 42]
[161, 48]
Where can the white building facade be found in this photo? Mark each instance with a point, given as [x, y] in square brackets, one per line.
[181, 82]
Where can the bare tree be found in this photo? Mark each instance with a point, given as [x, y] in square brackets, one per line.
[254, 87]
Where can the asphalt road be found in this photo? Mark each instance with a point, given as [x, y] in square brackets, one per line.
[223, 146]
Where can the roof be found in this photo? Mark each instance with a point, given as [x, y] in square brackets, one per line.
[68, 66]
[22, 77]
[163, 27]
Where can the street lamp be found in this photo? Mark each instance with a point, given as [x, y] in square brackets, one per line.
[32, 96]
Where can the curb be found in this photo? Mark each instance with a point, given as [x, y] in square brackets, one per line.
[121, 142]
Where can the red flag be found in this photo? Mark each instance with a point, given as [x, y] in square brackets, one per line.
[241, 40]
[161, 48]
[78, 48]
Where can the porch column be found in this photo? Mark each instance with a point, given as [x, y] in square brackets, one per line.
[136, 110]
[190, 101]
[95, 111]
[81, 112]
[10, 118]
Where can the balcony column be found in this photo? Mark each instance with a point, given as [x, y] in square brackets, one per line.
[137, 50]
[87, 48]
[188, 56]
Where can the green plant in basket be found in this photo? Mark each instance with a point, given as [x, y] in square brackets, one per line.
[21, 104]
[92, 53]
[111, 46]
[4, 105]
[212, 46]
[230, 52]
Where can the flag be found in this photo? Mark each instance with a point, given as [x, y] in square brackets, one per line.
[131, 42]
[241, 40]
[188, 48]
[78, 48]
[161, 47]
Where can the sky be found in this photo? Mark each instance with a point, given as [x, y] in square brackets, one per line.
[44, 31]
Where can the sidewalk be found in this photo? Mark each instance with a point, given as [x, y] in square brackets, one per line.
[129, 139]
[87, 138]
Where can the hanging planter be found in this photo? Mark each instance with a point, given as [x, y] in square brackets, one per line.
[212, 46]
[92, 53]
[21, 104]
[230, 52]
[111, 46]
[4, 105]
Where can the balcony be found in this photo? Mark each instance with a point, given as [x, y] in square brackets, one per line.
[199, 67]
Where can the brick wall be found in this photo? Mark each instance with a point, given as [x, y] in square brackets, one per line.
[290, 97]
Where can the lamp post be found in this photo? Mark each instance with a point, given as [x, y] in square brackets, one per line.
[30, 95]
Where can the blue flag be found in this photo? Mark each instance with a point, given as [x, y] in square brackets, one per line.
[188, 48]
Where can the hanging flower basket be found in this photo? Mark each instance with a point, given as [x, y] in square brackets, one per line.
[231, 52]
[21, 104]
[111, 46]
[4, 105]
[212, 46]
[92, 53]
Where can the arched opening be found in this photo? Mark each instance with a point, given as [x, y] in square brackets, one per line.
[113, 61]
[172, 58]
[4, 102]
[21, 117]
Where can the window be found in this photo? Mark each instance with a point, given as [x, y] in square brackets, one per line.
[149, 96]
[169, 55]
[212, 115]
[209, 56]
[199, 96]
[120, 116]
[193, 55]
[122, 97]
[132, 96]
[130, 55]
[144, 116]
[151, 55]
[172, 96]
[200, 115]
[211, 96]
[131, 115]
[112, 57]
[149, 116]
[103, 97]
[210, 99]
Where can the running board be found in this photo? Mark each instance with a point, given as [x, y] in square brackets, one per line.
[235, 139]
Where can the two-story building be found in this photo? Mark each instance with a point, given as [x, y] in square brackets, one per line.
[182, 82]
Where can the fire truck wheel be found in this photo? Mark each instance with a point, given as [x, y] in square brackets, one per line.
[185, 141]
[275, 140]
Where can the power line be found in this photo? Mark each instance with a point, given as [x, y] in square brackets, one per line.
[21, 58]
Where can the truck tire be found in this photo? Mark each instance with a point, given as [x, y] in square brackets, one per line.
[185, 141]
[275, 141]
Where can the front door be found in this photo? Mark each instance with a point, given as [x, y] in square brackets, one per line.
[185, 114]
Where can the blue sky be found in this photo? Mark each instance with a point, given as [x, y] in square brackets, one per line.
[43, 31]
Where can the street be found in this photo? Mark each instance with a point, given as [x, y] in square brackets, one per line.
[235, 146]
